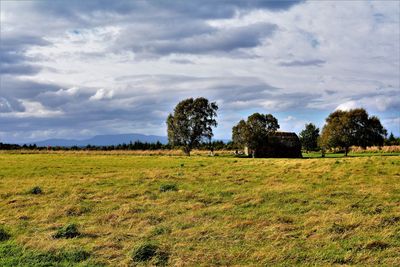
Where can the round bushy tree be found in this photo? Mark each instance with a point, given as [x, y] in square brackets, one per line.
[191, 123]
[352, 128]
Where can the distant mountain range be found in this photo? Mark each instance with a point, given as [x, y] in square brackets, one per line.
[104, 140]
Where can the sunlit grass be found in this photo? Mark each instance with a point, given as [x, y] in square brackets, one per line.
[204, 210]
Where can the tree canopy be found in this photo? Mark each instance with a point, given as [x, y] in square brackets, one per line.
[309, 137]
[253, 133]
[392, 141]
[352, 128]
[191, 123]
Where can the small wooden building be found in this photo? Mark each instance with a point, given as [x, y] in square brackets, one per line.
[278, 145]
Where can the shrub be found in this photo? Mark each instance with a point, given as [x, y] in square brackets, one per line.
[4, 235]
[168, 187]
[150, 252]
[144, 252]
[69, 231]
[36, 190]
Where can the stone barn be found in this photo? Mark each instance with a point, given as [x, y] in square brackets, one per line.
[279, 145]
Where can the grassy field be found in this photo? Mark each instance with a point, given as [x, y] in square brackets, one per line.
[90, 209]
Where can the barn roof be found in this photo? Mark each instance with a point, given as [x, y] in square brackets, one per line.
[284, 134]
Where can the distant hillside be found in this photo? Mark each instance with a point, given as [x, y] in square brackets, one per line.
[104, 140]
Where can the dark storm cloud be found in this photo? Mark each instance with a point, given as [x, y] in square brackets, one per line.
[18, 69]
[205, 9]
[19, 42]
[330, 92]
[303, 63]
[24, 89]
[61, 97]
[223, 41]
[13, 60]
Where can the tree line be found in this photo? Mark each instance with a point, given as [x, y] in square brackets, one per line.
[137, 145]
[191, 125]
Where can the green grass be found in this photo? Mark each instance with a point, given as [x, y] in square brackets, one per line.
[202, 211]
[13, 255]
[351, 154]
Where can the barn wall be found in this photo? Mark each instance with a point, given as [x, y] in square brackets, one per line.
[280, 145]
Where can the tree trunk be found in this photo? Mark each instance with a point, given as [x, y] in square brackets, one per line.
[212, 152]
[186, 150]
[346, 150]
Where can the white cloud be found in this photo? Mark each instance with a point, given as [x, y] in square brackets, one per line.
[381, 103]
[67, 92]
[275, 105]
[289, 118]
[346, 106]
[32, 109]
[102, 94]
[292, 124]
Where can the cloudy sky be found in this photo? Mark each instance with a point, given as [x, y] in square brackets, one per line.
[80, 68]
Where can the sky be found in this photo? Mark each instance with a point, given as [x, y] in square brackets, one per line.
[81, 68]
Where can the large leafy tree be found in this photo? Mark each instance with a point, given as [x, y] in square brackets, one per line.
[352, 128]
[253, 133]
[191, 123]
[309, 137]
